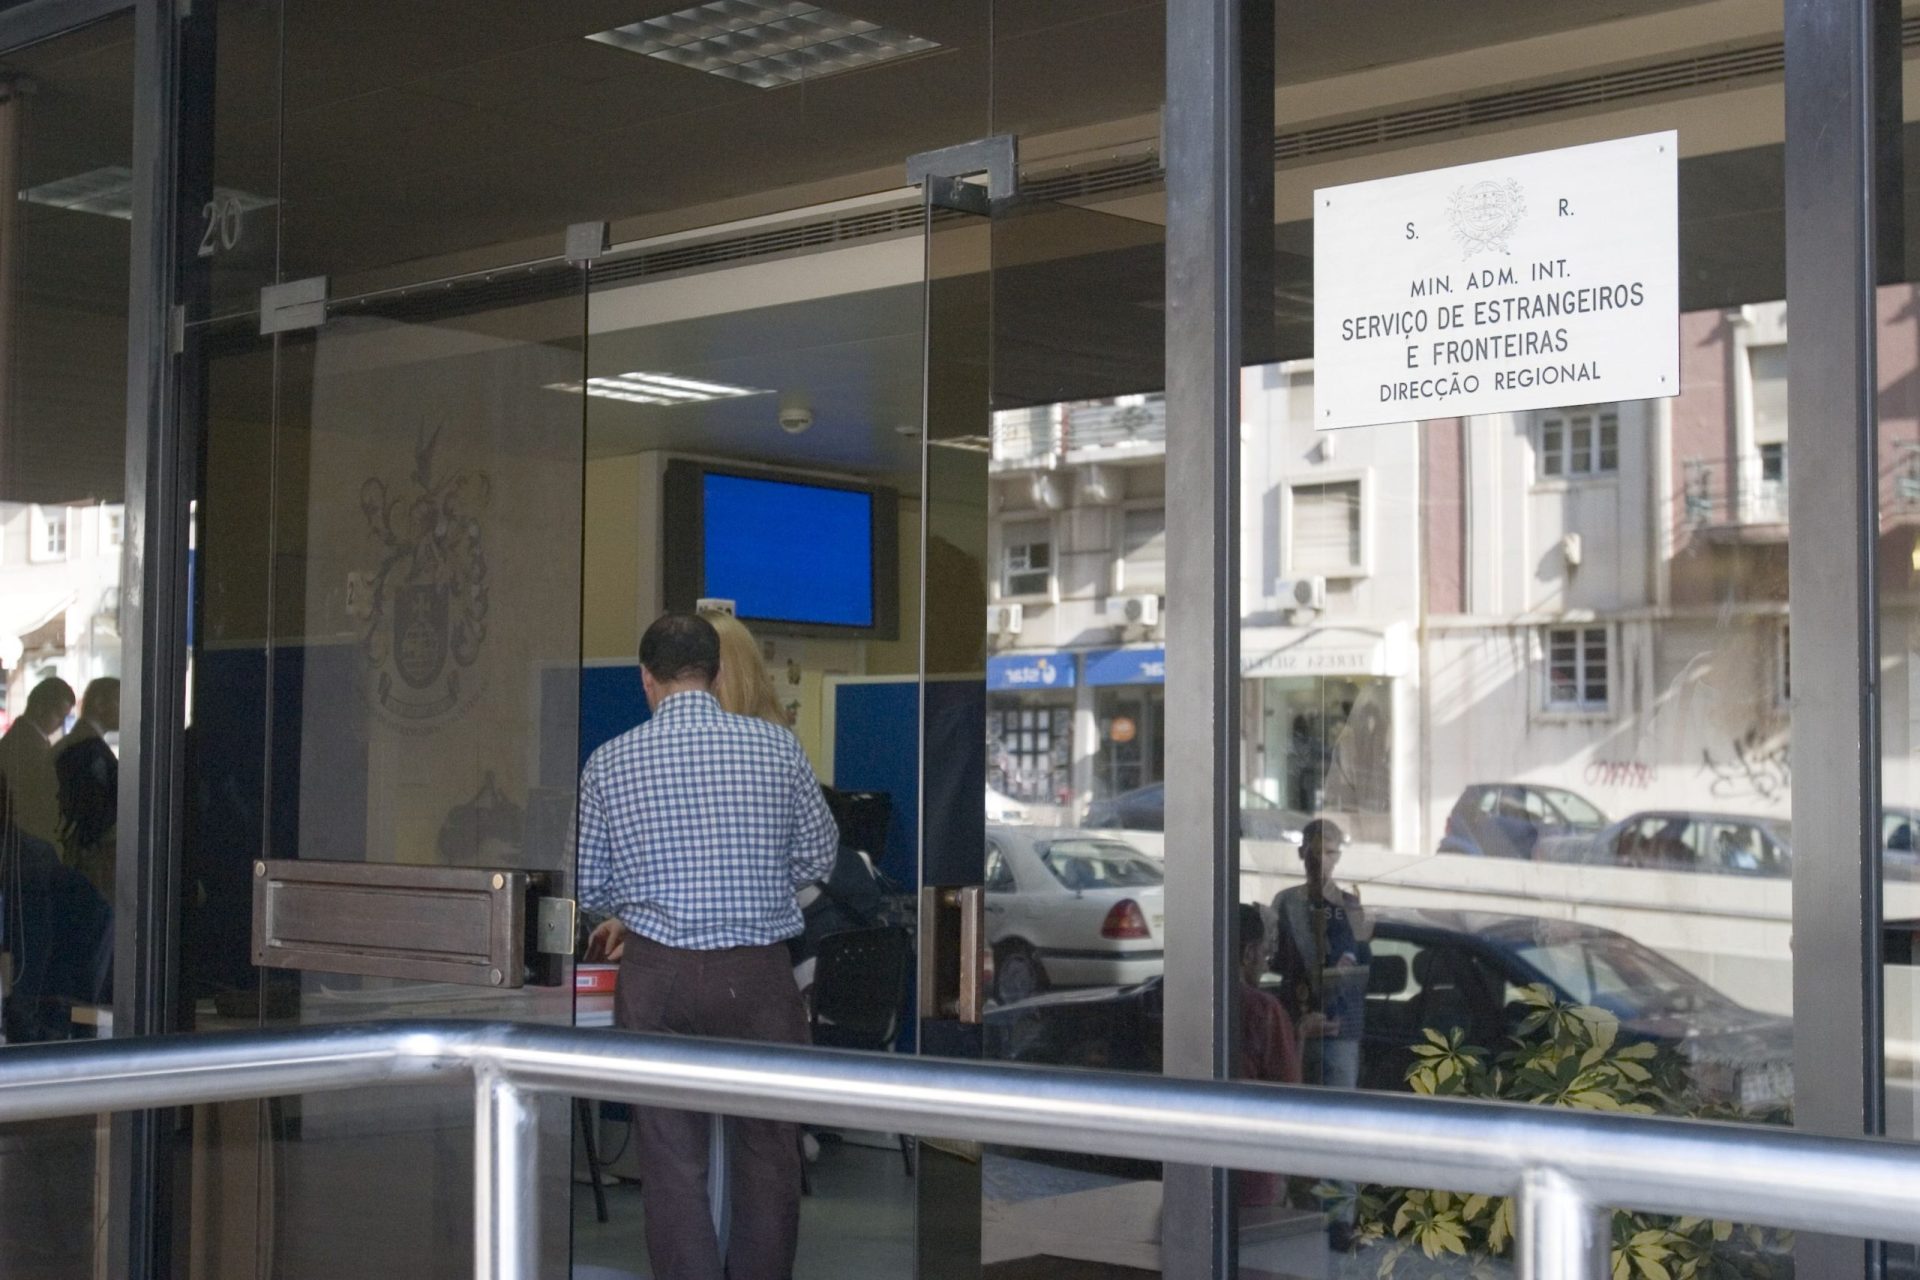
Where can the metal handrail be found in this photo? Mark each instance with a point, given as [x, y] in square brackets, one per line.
[1567, 1168]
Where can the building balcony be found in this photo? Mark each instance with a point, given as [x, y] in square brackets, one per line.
[1736, 502]
[1116, 430]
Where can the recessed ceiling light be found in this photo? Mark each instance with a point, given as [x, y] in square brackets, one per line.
[762, 44]
[109, 191]
[656, 388]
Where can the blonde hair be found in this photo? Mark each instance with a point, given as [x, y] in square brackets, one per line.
[743, 686]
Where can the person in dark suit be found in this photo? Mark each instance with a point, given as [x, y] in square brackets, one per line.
[88, 774]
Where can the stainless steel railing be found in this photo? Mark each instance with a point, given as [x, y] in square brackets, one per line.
[1567, 1168]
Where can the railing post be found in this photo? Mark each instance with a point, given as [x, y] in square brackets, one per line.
[1558, 1233]
[506, 1237]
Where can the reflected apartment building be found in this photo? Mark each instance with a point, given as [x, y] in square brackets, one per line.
[59, 596]
[1627, 640]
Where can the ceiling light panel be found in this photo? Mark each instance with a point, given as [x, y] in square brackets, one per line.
[109, 191]
[656, 388]
[765, 45]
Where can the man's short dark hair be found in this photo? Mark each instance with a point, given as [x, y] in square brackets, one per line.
[1253, 926]
[680, 646]
[1321, 833]
[51, 692]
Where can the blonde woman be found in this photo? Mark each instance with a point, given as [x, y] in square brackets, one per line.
[744, 687]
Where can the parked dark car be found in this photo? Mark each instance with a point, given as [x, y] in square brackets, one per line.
[1679, 840]
[1507, 819]
[1900, 842]
[1447, 969]
[1145, 809]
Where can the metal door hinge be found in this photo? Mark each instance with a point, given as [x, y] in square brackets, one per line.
[295, 304]
[944, 172]
[587, 241]
[554, 925]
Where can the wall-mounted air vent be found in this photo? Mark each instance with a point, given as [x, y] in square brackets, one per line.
[1677, 76]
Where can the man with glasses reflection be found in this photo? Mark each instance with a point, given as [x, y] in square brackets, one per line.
[696, 831]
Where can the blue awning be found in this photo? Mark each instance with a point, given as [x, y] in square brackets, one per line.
[1127, 666]
[1031, 672]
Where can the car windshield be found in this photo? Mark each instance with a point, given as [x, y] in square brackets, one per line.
[1577, 811]
[1099, 864]
[1618, 975]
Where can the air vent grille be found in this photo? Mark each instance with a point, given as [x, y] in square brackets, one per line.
[1605, 89]
[759, 244]
[1610, 88]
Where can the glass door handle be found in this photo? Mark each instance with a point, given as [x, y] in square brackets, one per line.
[953, 979]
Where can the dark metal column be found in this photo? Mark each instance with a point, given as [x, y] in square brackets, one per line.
[160, 468]
[1831, 271]
[1205, 224]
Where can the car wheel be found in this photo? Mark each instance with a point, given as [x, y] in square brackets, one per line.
[1017, 974]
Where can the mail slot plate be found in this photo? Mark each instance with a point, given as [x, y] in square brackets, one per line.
[430, 924]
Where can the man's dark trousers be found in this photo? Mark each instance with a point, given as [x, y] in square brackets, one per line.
[740, 993]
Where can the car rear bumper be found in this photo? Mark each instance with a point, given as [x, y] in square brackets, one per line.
[1101, 968]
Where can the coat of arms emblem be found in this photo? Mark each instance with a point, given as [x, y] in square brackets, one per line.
[1484, 215]
[423, 611]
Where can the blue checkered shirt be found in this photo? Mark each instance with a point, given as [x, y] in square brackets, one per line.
[697, 828]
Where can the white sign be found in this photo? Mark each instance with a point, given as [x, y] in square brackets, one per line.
[1533, 282]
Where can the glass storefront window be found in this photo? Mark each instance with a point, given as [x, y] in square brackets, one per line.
[66, 144]
[1520, 672]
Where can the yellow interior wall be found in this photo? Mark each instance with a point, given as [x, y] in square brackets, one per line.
[621, 589]
[611, 553]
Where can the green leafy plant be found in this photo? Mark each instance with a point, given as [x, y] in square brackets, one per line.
[1561, 1055]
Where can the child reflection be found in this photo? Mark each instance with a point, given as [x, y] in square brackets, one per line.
[1269, 1049]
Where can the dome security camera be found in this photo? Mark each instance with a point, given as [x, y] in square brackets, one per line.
[795, 420]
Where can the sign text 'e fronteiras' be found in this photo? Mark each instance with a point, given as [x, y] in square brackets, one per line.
[1534, 282]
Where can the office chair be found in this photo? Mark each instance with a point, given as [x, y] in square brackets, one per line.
[860, 984]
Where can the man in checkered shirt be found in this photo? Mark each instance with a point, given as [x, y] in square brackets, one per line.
[696, 830]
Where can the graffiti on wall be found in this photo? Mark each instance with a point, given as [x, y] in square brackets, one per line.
[1621, 775]
[1750, 767]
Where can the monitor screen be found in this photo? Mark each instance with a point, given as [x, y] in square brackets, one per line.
[789, 552]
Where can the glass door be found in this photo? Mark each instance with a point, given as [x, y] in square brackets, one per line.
[1044, 659]
[753, 450]
[385, 706]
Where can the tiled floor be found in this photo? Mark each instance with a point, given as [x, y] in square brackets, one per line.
[857, 1224]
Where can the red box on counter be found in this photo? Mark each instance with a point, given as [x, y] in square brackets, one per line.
[595, 979]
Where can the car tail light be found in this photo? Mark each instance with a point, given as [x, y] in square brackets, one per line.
[1125, 921]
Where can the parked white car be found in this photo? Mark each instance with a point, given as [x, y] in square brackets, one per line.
[1004, 808]
[1071, 909]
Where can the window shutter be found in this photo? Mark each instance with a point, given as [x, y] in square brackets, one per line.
[1326, 529]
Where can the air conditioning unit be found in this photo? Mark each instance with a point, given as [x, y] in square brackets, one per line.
[1047, 492]
[1100, 486]
[1138, 611]
[1005, 619]
[1302, 593]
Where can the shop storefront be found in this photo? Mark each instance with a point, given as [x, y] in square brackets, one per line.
[1030, 714]
[1129, 712]
[1321, 706]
